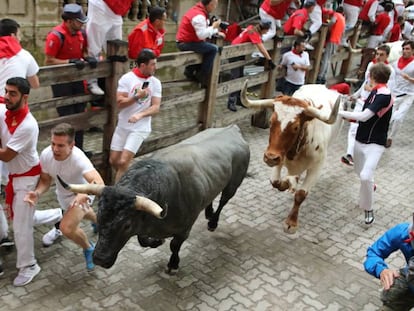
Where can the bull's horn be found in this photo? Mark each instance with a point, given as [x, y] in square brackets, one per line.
[257, 104]
[82, 188]
[149, 206]
[316, 113]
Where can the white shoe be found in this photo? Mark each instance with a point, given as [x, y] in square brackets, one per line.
[50, 237]
[309, 47]
[26, 275]
[95, 89]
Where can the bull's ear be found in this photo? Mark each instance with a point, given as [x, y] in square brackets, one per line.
[146, 205]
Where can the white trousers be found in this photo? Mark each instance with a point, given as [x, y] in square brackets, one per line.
[351, 13]
[366, 158]
[101, 28]
[41, 217]
[316, 19]
[374, 41]
[275, 23]
[399, 111]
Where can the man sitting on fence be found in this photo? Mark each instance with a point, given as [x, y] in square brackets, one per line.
[192, 33]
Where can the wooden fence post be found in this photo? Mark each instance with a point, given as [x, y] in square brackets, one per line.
[114, 48]
[346, 64]
[261, 118]
[317, 55]
[206, 110]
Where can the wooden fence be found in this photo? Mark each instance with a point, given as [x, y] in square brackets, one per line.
[178, 93]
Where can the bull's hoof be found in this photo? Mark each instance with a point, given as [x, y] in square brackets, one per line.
[289, 228]
[150, 242]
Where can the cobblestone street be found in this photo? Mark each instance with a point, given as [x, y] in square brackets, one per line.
[248, 263]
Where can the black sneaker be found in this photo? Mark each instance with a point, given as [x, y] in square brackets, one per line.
[369, 217]
[348, 160]
[7, 244]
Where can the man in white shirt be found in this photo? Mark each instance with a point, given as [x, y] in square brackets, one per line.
[63, 158]
[297, 65]
[138, 99]
[402, 88]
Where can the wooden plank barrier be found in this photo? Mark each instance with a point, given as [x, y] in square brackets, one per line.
[178, 93]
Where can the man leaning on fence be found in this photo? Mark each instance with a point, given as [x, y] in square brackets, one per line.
[192, 33]
[67, 44]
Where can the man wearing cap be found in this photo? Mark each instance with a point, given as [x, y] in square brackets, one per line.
[104, 23]
[398, 286]
[67, 44]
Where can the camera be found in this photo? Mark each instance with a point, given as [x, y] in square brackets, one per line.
[223, 25]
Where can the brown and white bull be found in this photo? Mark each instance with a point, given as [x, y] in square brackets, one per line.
[301, 128]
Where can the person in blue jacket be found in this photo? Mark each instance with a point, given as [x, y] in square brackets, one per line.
[398, 293]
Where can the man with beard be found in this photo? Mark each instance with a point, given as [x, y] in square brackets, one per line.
[19, 133]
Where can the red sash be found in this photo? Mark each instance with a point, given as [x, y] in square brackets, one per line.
[34, 171]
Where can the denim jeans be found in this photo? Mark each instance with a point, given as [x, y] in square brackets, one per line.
[209, 51]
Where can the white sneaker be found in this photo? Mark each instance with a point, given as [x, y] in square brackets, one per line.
[95, 89]
[309, 47]
[26, 275]
[50, 237]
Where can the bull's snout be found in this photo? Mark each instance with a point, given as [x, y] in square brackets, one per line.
[272, 159]
[103, 261]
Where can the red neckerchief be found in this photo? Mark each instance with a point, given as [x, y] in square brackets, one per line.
[411, 238]
[402, 62]
[9, 46]
[14, 118]
[379, 85]
[374, 61]
[139, 74]
[296, 52]
[34, 171]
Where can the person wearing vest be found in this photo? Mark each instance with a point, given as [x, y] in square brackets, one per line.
[368, 12]
[253, 34]
[371, 135]
[398, 289]
[296, 22]
[192, 34]
[381, 56]
[148, 34]
[67, 44]
[336, 24]
[104, 23]
[403, 88]
[382, 25]
[19, 134]
[273, 11]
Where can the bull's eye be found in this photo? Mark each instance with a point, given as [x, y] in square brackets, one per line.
[126, 226]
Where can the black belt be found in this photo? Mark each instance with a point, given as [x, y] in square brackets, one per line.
[401, 95]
